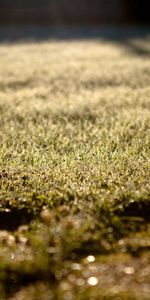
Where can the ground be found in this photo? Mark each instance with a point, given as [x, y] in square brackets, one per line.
[74, 164]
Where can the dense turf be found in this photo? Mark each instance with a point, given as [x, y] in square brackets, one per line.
[74, 169]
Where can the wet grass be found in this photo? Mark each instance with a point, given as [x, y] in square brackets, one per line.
[74, 170]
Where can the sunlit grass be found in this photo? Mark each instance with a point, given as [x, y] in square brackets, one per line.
[74, 135]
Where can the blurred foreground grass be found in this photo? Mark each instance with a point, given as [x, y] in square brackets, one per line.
[74, 170]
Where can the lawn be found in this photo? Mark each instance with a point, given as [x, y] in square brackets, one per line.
[75, 166]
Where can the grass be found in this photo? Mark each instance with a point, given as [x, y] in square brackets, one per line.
[74, 170]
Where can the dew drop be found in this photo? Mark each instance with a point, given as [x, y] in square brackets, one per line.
[129, 270]
[76, 267]
[80, 282]
[90, 258]
[92, 281]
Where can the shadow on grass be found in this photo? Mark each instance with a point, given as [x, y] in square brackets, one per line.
[12, 219]
[137, 209]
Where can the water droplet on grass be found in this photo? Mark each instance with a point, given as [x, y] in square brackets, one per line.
[129, 270]
[92, 281]
[90, 258]
[80, 281]
[76, 267]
